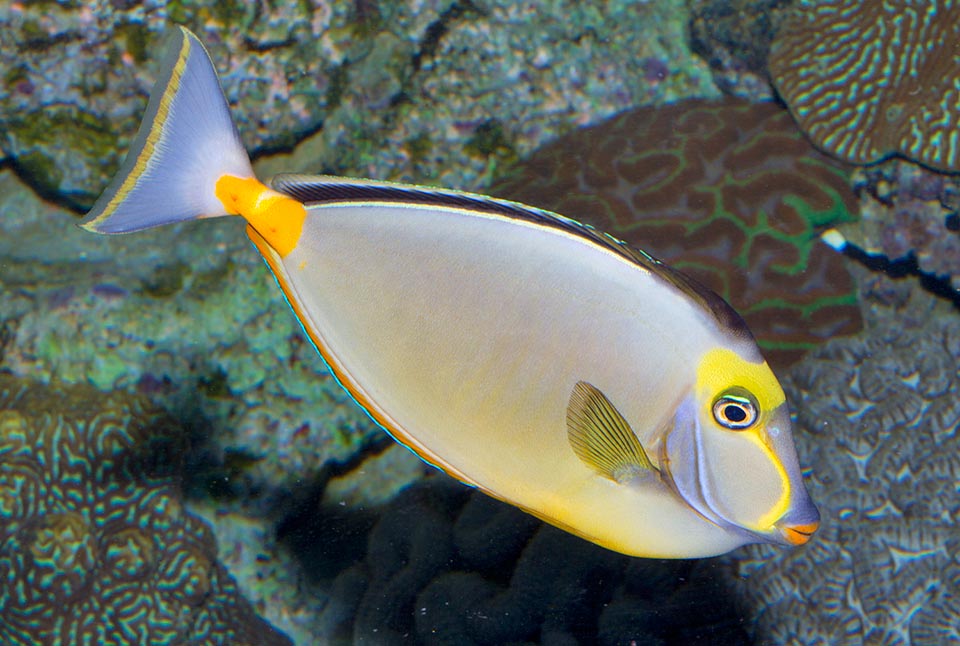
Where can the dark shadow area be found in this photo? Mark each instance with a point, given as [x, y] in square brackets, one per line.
[443, 563]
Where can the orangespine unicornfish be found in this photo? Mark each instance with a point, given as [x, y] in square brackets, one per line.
[533, 357]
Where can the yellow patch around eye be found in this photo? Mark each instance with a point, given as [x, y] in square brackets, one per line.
[722, 368]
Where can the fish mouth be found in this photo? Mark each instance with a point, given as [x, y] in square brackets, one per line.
[799, 525]
[799, 534]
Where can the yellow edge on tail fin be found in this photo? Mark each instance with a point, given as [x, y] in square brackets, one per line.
[142, 154]
[187, 140]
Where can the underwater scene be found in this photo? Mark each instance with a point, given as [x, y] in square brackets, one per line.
[626, 323]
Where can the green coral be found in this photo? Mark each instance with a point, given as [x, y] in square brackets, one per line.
[95, 546]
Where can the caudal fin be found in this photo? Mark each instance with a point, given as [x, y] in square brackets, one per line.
[186, 142]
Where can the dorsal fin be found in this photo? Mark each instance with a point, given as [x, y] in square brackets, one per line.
[319, 189]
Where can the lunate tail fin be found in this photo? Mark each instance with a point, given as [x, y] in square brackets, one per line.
[187, 141]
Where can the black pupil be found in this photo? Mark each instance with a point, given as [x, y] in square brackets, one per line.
[734, 413]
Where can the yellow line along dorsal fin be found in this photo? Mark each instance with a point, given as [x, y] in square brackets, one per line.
[603, 439]
[186, 142]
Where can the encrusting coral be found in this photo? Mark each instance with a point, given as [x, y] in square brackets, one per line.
[95, 545]
[728, 192]
[878, 420]
[866, 80]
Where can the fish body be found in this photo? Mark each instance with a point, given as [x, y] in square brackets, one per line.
[542, 361]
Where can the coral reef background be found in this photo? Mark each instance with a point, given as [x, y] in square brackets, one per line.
[729, 192]
[439, 92]
[444, 565]
[425, 90]
[296, 484]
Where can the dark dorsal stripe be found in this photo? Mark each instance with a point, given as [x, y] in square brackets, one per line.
[323, 189]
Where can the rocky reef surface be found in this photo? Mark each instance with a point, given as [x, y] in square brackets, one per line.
[909, 220]
[187, 316]
[435, 90]
[444, 92]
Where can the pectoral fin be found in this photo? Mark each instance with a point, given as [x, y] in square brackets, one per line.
[602, 438]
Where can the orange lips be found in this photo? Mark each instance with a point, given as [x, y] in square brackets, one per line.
[800, 534]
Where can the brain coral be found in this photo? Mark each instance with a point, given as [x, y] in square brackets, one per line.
[95, 546]
[869, 79]
[878, 421]
[728, 192]
[447, 566]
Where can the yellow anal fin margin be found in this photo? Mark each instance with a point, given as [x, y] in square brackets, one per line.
[602, 438]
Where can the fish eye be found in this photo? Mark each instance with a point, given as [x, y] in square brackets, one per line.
[735, 410]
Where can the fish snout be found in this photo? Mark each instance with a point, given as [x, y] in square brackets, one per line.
[798, 528]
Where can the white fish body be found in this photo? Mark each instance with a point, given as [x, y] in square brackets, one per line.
[497, 340]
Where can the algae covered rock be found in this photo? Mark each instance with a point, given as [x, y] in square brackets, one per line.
[190, 319]
[389, 90]
[910, 215]
[95, 545]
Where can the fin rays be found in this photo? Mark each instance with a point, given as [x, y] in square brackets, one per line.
[186, 142]
[602, 438]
